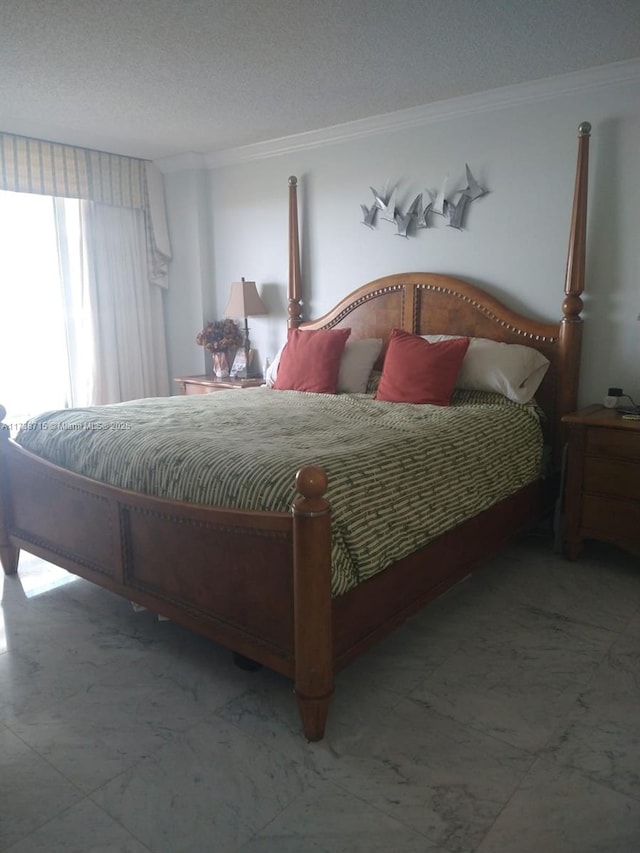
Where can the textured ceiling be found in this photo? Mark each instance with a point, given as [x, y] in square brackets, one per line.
[153, 78]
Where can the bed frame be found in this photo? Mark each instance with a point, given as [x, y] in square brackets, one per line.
[260, 583]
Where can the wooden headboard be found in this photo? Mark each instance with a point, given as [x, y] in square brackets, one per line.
[430, 303]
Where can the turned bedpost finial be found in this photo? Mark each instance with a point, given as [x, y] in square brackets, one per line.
[295, 291]
[311, 485]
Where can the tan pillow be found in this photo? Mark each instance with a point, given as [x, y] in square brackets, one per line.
[356, 365]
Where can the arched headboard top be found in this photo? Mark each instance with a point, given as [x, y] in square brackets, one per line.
[432, 303]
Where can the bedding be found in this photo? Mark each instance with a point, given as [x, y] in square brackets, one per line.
[510, 369]
[399, 474]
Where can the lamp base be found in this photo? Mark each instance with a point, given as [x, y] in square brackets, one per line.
[243, 363]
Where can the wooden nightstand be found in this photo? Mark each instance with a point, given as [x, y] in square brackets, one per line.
[208, 384]
[602, 496]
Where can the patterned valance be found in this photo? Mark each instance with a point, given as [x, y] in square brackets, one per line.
[50, 168]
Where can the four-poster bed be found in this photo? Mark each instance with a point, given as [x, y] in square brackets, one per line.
[260, 582]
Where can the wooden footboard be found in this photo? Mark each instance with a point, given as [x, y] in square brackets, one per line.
[244, 579]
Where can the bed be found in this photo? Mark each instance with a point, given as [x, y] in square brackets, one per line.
[261, 580]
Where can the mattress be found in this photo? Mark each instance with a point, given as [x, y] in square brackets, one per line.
[399, 474]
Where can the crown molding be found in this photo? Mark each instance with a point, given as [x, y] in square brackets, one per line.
[494, 99]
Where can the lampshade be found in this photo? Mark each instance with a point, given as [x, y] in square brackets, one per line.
[244, 300]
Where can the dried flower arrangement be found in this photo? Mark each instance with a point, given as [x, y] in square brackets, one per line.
[220, 336]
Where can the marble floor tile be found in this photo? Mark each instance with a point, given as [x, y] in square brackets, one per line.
[84, 828]
[557, 810]
[429, 773]
[73, 627]
[516, 678]
[27, 686]
[212, 788]
[602, 588]
[57, 656]
[124, 712]
[31, 790]
[601, 735]
[327, 819]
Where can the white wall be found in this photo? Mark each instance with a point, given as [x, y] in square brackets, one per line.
[190, 294]
[514, 242]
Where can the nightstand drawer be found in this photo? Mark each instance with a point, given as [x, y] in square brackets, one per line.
[613, 442]
[602, 491]
[612, 477]
[208, 384]
[610, 518]
[198, 389]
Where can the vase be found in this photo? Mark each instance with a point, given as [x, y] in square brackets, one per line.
[220, 365]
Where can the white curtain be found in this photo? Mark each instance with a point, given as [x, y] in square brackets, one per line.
[127, 313]
[77, 315]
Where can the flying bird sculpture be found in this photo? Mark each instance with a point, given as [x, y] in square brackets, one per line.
[439, 203]
[423, 212]
[455, 212]
[369, 215]
[388, 211]
[403, 221]
[473, 190]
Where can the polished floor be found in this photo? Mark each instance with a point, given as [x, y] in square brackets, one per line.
[503, 719]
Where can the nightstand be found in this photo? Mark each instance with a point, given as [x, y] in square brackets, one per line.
[208, 384]
[602, 492]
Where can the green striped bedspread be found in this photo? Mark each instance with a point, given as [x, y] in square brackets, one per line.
[399, 474]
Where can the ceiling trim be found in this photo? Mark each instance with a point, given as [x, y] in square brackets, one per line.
[494, 99]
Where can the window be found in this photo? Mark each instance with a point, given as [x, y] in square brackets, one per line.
[41, 324]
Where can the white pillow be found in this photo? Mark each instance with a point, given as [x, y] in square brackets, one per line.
[271, 372]
[356, 365]
[513, 370]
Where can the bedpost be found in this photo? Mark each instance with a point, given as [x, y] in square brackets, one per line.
[312, 600]
[571, 324]
[8, 553]
[295, 293]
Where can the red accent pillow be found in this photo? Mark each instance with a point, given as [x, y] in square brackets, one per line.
[415, 371]
[311, 360]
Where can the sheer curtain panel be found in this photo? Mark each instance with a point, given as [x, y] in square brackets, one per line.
[129, 347]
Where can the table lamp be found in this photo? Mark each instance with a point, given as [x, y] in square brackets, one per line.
[244, 301]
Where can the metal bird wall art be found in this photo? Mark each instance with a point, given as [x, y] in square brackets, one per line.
[418, 216]
[388, 209]
[423, 213]
[440, 202]
[369, 215]
[403, 221]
